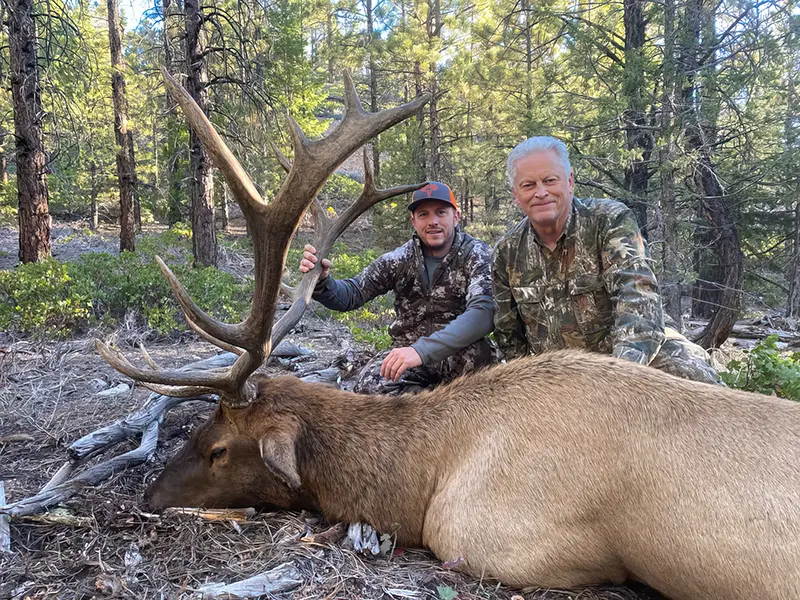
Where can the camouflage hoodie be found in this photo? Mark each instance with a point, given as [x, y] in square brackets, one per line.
[464, 273]
[595, 290]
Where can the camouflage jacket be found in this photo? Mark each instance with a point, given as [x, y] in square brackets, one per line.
[420, 309]
[595, 290]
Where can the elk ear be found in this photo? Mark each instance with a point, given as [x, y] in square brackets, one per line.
[278, 452]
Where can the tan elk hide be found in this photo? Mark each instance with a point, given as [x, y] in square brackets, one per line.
[555, 471]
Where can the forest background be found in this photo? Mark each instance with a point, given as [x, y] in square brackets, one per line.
[685, 110]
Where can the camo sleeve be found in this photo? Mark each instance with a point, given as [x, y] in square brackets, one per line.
[509, 330]
[638, 329]
[349, 294]
[476, 320]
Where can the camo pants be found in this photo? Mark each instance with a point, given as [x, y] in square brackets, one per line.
[678, 356]
[475, 356]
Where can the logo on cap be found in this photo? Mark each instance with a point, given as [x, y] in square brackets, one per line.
[429, 189]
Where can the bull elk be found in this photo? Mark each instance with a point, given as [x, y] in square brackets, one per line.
[561, 470]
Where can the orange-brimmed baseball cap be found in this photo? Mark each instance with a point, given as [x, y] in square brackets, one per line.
[433, 190]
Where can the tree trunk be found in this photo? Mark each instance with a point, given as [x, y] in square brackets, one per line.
[793, 306]
[3, 167]
[34, 212]
[434, 27]
[94, 218]
[528, 126]
[721, 280]
[791, 159]
[171, 126]
[226, 202]
[638, 141]
[201, 184]
[670, 248]
[126, 165]
[373, 87]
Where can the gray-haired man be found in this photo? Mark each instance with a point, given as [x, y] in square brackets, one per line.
[574, 273]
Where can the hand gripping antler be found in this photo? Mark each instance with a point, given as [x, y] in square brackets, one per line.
[272, 227]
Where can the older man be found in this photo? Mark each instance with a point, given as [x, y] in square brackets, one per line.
[441, 279]
[574, 273]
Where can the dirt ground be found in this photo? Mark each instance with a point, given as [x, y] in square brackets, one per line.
[109, 546]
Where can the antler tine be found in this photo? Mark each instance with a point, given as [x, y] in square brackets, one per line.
[227, 334]
[321, 157]
[239, 182]
[212, 340]
[351, 99]
[203, 379]
[323, 241]
[369, 197]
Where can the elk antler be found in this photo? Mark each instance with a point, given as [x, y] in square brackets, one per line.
[272, 227]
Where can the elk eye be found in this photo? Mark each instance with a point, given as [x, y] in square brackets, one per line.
[217, 453]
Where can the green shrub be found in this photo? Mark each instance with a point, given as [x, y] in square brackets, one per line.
[52, 298]
[766, 371]
[43, 298]
[8, 204]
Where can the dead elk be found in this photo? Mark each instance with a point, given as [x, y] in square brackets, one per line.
[556, 471]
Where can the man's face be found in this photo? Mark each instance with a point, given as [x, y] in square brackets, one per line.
[435, 223]
[544, 190]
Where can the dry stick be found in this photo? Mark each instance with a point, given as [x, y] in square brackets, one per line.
[91, 476]
[5, 530]
[280, 579]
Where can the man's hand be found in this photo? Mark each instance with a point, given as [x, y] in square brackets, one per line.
[310, 259]
[398, 361]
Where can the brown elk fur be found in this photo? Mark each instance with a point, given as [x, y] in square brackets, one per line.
[560, 470]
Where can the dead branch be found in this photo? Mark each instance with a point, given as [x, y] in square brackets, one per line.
[90, 477]
[280, 579]
[5, 530]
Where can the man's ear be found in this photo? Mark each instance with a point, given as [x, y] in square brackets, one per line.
[278, 451]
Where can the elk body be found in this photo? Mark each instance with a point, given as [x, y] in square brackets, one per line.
[561, 470]
[555, 471]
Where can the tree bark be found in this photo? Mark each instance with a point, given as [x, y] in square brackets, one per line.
[173, 179]
[226, 202]
[670, 248]
[201, 184]
[638, 141]
[94, 218]
[373, 88]
[126, 165]
[793, 305]
[721, 287]
[434, 27]
[3, 160]
[34, 212]
[792, 161]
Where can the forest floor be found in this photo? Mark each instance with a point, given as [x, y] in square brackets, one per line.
[103, 543]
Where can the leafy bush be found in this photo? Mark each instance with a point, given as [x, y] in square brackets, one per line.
[53, 298]
[43, 298]
[8, 204]
[766, 371]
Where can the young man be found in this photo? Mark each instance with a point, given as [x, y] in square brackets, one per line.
[574, 273]
[442, 283]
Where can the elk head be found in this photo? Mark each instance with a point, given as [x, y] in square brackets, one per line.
[221, 465]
